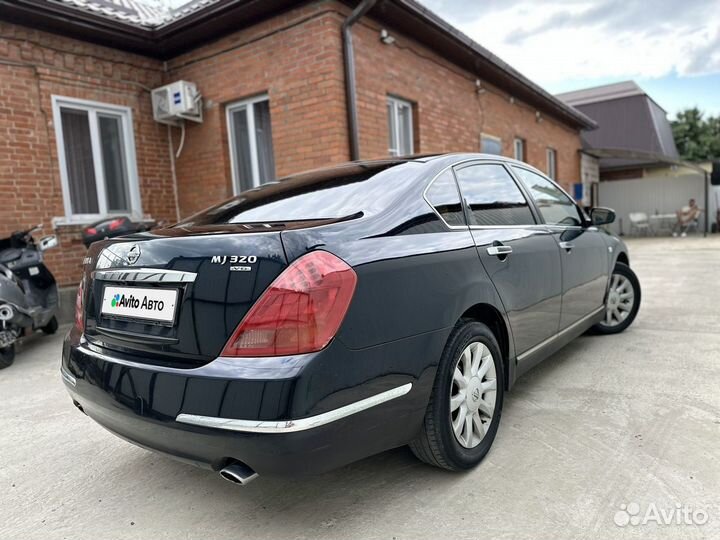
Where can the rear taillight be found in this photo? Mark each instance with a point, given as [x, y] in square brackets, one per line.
[79, 316]
[301, 310]
[116, 223]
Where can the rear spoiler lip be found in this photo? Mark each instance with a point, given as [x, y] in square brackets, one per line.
[257, 227]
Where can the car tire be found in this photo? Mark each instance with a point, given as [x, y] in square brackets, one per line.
[7, 356]
[51, 327]
[438, 444]
[620, 309]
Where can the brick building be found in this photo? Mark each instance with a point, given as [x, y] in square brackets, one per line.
[77, 135]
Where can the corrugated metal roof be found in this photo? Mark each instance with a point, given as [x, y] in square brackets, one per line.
[137, 12]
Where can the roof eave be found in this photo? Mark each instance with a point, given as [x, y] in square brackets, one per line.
[67, 20]
[206, 24]
[176, 37]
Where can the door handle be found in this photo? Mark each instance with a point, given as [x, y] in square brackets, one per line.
[567, 246]
[499, 251]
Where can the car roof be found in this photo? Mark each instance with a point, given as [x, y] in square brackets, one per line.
[369, 165]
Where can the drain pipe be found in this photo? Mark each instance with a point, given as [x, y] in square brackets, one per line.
[349, 59]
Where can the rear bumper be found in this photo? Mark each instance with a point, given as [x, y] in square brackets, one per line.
[295, 415]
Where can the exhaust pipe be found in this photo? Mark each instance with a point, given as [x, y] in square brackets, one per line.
[238, 473]
[6, 312]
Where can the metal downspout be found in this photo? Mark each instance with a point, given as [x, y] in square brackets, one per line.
[349, 64]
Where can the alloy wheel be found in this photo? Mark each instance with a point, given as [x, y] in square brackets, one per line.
[620, 301]
[472, 394]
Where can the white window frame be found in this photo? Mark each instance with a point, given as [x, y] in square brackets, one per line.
[395, 104]
[93, 108]
[519, 144]
[247, 105]
[492, 138]
[551, 157]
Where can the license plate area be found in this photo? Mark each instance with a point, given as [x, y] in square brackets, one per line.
[148, 305]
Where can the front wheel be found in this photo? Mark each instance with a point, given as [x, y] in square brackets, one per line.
[464, 410]
[623, 301]
[7, 356]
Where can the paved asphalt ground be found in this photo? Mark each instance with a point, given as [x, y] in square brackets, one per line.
[607, 421]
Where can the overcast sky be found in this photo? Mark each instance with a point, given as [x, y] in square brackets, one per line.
[670, 47]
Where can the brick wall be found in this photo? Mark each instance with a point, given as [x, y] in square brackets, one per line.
[34, 66]
[295, 58]
[449, 113]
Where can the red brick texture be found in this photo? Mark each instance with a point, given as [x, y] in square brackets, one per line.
[34, 66]
[449, 113]
[296, 59]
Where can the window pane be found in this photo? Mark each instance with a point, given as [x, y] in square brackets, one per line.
[552, 163]
[406, 131]
[556, 207]
[493, 196]
[79, 161]
[263, 133]
[519, 149]
[443, 195]
[400, 127]
[490, 145]
[392, 150]
[114, 162]
[241, 149]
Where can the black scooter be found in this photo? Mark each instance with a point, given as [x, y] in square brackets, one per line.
[28, 291]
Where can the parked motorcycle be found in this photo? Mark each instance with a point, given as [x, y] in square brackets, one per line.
[28, 291]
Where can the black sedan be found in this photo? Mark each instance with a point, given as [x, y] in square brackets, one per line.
[341, 312]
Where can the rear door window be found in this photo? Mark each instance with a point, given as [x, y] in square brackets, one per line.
[493, 197]
[443, 195]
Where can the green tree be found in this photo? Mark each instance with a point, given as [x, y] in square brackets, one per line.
[697, 138]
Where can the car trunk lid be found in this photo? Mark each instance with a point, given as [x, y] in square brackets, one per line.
[203, 280]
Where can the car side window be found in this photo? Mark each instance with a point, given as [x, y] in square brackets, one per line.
[493, 197]
[556, 207]
[443, 195]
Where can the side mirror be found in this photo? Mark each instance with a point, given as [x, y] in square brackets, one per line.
[602, 216]
[48, 242]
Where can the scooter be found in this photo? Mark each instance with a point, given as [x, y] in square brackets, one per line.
[28, 291]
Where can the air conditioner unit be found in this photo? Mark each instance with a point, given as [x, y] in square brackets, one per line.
[177, 101]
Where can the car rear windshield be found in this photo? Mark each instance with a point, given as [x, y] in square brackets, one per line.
[320, 195]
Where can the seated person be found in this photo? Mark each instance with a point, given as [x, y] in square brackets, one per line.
[686, 216]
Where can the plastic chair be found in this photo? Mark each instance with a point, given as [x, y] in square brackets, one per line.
[639, 223]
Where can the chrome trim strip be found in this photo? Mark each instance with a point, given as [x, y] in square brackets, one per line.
[552, 338]
[67, 377]
[144, 275]
[290, 426]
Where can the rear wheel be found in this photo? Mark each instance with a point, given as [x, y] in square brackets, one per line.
[623, 301]
[51, 327]
[7, 356]
[464, 411]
